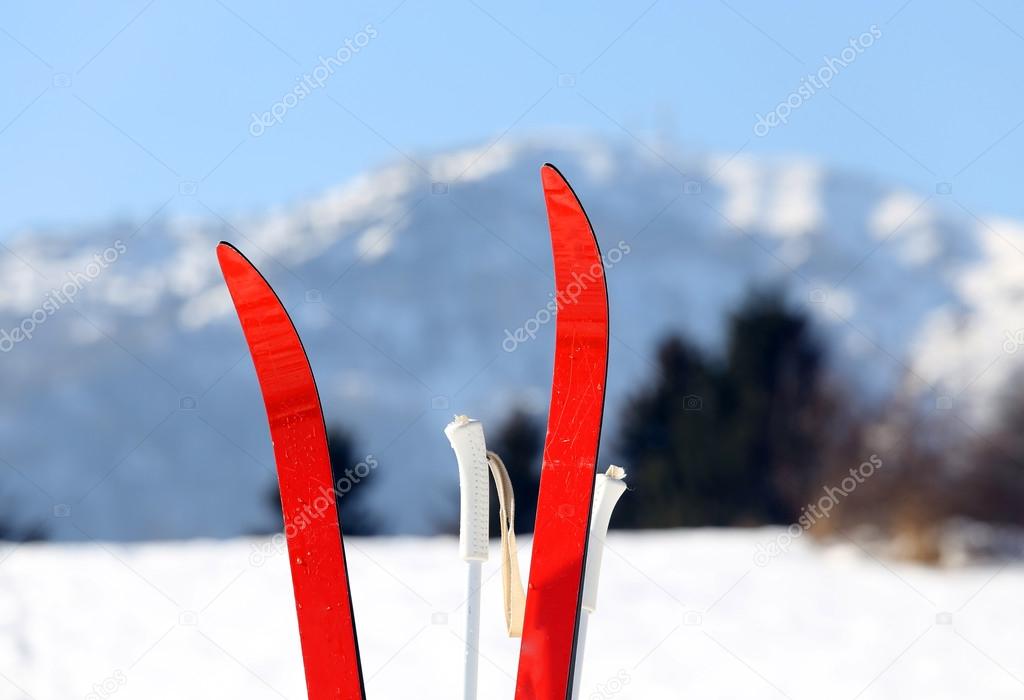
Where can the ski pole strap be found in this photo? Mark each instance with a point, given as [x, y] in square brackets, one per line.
[512, 580]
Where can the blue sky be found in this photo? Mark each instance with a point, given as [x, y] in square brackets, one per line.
[122, 110]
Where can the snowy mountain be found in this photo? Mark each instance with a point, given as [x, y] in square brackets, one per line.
[133, 412]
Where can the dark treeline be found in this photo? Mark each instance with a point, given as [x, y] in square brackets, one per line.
[730, 440]
[759, 432]
[763, 432]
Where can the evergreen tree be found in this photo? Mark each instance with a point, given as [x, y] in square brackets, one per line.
[781, 410]
[519, 441]
[732, 441]
[19, 529]
[357, 517]
[668, 445]
[992, 489]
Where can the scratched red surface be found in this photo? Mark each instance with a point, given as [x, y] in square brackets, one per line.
[330, 651]
[570, 449]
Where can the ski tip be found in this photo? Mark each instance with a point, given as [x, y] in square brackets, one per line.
[557, 188]
[552, 177]
[234, 266]
[227, 252]
[227, 247]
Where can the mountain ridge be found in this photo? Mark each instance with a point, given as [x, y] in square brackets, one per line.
[404, 282]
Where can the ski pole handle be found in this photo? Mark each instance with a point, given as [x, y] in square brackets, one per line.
[467, 440]
[608, 488]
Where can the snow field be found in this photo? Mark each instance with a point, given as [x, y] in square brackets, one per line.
[681, 614]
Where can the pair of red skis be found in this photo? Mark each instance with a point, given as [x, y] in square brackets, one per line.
[316, 551]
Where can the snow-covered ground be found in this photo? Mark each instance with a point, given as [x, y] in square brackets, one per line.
[685, 614]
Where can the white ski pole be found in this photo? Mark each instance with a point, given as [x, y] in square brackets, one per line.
[608, 488]
[467, 440]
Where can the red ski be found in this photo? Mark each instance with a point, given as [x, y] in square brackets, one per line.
[546, 656]
[330, 652]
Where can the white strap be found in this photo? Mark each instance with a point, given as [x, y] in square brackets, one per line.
[512, 580]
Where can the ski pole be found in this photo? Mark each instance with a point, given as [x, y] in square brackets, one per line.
[608, 488]
[467, 440]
